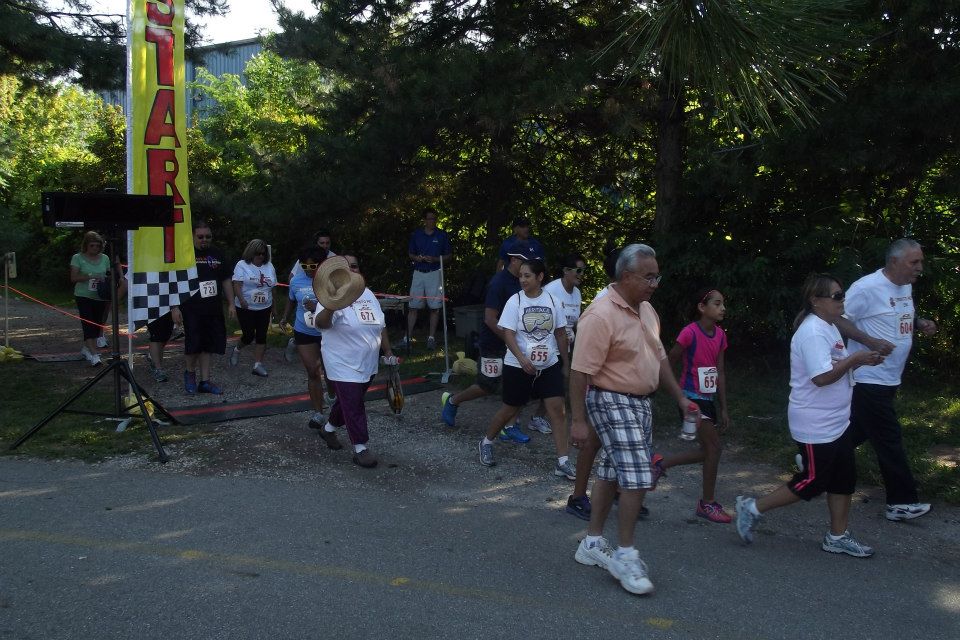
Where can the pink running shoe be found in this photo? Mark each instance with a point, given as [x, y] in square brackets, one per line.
[713, 512]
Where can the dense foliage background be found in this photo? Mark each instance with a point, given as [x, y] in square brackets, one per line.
[805, 143]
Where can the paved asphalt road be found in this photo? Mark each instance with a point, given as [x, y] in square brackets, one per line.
[92, 551]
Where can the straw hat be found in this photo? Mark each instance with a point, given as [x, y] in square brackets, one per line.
[335, 285]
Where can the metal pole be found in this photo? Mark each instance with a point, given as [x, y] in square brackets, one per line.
[6, 300]
[445, 378]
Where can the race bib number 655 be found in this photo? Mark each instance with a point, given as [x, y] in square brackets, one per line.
[539, 355]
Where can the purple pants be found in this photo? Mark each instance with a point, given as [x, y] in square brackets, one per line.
[348, 409]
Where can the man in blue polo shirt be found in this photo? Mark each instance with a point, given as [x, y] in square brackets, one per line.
[521, 232]
[427, 246]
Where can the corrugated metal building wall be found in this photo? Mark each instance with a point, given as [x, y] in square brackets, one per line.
[218, 59]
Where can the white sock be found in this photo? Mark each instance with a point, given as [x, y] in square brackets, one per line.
[357, 448]
[256, 364]
[623, 551]
[592, 541]
[329, 428]
[835, 538]
[487, 440]
[562, 460]
[753, 508]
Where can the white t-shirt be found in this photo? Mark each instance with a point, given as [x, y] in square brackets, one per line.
[534, 320]
[570, 302]
[883, 310]
[817, 414]
[258, 283]
[351, 346]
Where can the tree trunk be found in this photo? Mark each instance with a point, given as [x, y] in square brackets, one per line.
[668, 170]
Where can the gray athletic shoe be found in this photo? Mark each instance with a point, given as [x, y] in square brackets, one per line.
[259, 370]
[235, 357]
[290, 351]
[848, 545]
[486, 454]
[599, 555]
[745, 520]
[565, 470]
[539, 423]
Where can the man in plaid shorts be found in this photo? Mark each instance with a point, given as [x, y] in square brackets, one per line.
[618, 361]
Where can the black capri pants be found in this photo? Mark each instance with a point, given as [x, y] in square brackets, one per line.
[92, 311]
[253, 324]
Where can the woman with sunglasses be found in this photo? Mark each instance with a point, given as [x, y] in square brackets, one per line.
[565, 289]
[821, 388]
[307, 338]
[537, 359]
[87, 269]
[253, 281]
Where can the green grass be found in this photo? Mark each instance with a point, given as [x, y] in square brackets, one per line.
[59, 296]
[29, 391]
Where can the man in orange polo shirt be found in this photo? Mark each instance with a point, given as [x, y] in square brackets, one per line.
[618, 361]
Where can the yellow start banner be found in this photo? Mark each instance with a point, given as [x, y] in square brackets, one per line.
[163, 265]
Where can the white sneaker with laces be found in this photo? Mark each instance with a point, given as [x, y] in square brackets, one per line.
[899, 512]
[599, 555]
[95, 360]
[102, 342]
[631, 571]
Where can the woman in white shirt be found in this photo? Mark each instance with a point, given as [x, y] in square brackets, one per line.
[253, 281]
[565, 288]
[821, 387]
[353, 338]
[533, 327]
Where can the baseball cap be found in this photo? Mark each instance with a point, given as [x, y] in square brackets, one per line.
[521, 249]
[521, 221]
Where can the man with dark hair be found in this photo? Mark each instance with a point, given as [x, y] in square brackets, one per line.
[521, 233]
[881, 317]
[427, 247]
[202, 314]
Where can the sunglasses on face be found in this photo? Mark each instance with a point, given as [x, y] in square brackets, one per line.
[838, 296]
[577, 270]
[204, 237]
[310, 266]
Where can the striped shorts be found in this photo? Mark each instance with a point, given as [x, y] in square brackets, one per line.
[625, 426]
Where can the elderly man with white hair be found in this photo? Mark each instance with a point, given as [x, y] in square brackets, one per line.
[882, 317]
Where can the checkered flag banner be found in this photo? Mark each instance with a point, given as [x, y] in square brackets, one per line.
[153, 293]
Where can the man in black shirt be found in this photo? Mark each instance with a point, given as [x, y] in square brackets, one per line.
[202, 314]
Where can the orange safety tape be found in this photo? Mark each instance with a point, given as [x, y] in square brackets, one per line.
[123, 330]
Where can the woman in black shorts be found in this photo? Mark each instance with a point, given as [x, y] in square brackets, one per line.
[821, 388]
[534, 329]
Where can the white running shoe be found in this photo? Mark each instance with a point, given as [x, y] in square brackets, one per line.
[86, 353]
[235, 357]
[95, 360]
[290, 351]
[632, 572]
[599, 555]
[259, 370]
[102, 342]
[898, 512]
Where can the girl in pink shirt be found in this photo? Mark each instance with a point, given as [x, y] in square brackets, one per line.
[699, 350]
